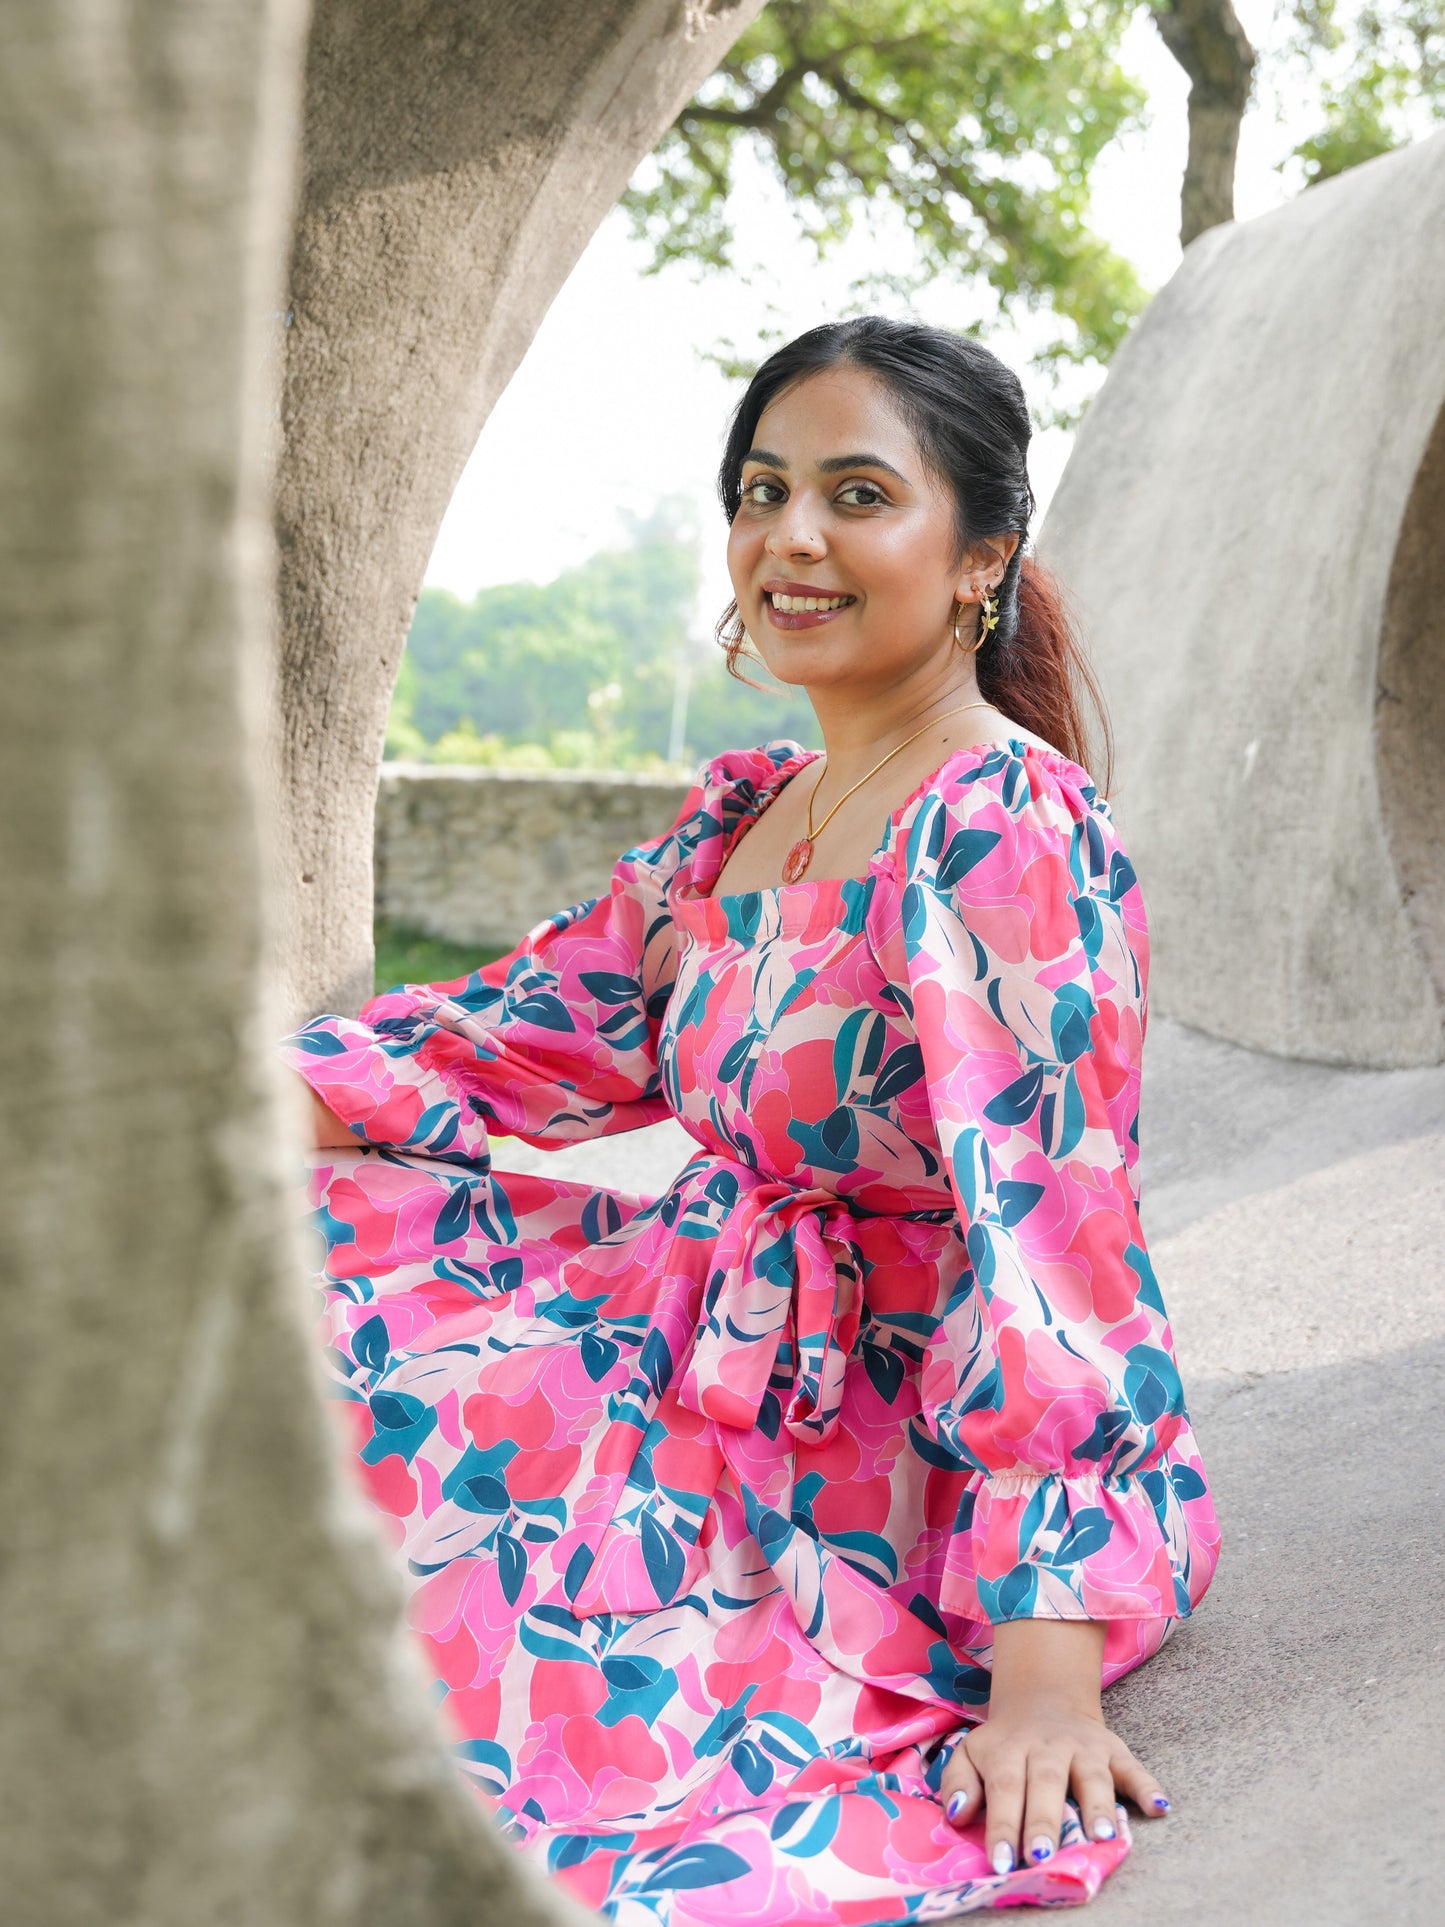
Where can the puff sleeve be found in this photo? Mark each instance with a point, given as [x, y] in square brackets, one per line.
[556, 1041]
[1051, 1372]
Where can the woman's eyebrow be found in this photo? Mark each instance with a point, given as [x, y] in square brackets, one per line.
[835, 464]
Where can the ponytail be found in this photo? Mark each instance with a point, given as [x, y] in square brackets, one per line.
[1034, 668]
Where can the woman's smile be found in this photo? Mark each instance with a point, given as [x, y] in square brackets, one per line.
[802, 605]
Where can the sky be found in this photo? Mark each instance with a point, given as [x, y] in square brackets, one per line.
[615, 407]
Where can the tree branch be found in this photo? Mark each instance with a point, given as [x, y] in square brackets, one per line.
[1210, 44]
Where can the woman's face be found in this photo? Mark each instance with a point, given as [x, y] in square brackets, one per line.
[839, 508]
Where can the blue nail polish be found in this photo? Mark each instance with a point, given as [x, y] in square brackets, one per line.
[955, 1805]
[1003, 1858]
[1040, 1850]
[1105, 1830]
[1161, 1803]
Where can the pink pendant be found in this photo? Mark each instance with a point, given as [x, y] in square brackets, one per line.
[798, 859]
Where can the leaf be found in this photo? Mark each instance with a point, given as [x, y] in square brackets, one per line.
[752, 1766]
[1014, 1592]
[885, 1371]
[703, 1865]
[320, 1043]
[966, 850]
[395, 1411]
[735, 1057]
[1089, 1532]
[511, 1567]
[901, 1071]
[601, 1216]
[487, 1493]
[663, 1557]
[505, 1275]
[599, 1355]
[656, 1361]
[608, 987]
[578, 1567]
[631, 1674]
[1151, 1383]
[844, 1045]
[1016, 1199]
[371, 1345]
[544, 1009]
[455, 1216]
[1018, 1101]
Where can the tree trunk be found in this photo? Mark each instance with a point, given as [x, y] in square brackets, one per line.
[208, 1711]
[457, 157]
[1206, 38]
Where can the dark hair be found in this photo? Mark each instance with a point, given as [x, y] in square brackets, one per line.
[968, 413]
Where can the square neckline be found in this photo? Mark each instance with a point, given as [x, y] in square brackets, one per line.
[794, 766]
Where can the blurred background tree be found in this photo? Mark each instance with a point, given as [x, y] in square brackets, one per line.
[583, 672]
[979, 122]
[1380, 71]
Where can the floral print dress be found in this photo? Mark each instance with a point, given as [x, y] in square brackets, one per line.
[708, 1503]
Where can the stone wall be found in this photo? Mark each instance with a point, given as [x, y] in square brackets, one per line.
[481, 855]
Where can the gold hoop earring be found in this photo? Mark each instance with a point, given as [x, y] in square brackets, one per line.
[972, 648]
[987, 620]
[988, 617]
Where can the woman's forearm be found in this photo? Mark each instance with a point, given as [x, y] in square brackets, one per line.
[326, 1131]
[1058, 1660]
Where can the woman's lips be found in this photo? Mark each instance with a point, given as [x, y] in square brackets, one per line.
[796, 618]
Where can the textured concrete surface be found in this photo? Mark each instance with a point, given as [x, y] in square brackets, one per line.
[1249, 526]
[456, 158]
[1296, 1213]
[480, 855]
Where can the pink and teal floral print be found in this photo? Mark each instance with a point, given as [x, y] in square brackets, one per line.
[708, 1503]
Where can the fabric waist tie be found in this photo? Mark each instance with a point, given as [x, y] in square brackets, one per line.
[774, 1308]
[787, 1273]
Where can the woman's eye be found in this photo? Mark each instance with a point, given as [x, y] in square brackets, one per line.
[861, 495]
[761, 492]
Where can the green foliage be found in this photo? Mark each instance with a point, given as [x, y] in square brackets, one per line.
[1381, 76]
[977, 122]
[409, 957]
[581, 673]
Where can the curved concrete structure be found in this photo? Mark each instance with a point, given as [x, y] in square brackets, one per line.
[1251, 524]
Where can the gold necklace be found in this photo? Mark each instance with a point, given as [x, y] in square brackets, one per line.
[801, 854]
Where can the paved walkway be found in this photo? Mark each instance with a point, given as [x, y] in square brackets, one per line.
[1296, 1214]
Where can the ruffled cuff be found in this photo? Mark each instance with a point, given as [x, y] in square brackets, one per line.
[385, 1093]
[1031, 1545]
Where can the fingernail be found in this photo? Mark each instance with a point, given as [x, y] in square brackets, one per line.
[1041, 1848]
[1003, 1858]
[955, 1805]
[1161, 1803]
[1104, 1830]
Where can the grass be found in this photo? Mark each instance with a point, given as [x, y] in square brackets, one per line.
[409, 957]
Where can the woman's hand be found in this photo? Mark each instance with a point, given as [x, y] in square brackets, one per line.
[1045, 1734]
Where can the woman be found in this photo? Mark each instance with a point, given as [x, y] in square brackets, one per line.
[772, 1540]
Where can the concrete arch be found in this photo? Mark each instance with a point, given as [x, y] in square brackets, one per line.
[1410, 708]
[1251, 524]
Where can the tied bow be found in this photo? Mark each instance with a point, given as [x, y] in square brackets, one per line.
[774, 1304]
[787, 1275]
